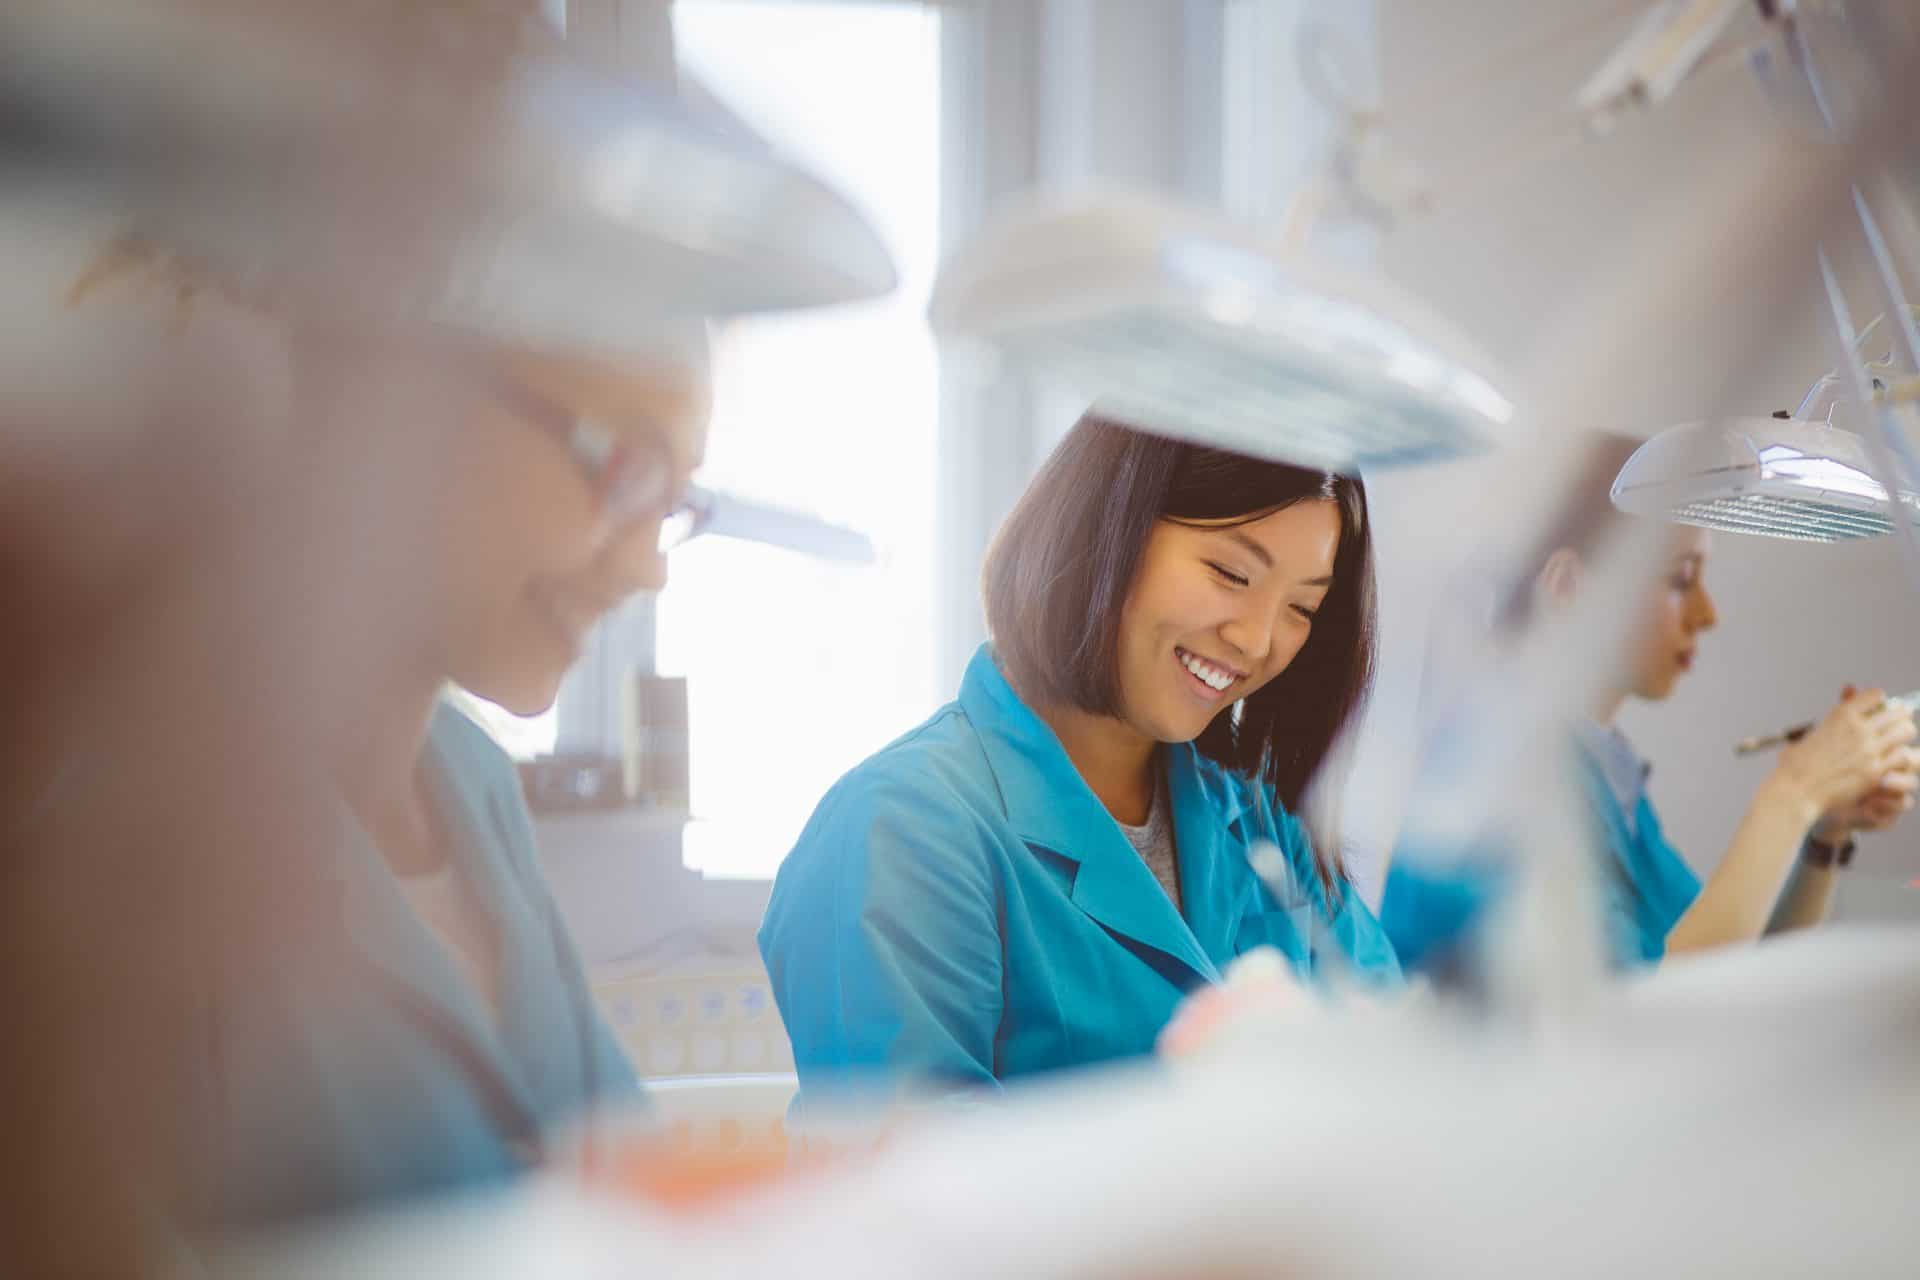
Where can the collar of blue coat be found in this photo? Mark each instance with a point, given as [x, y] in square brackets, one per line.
[1050, 806]
[1650, 884]
[421, 975]
[1622, 767]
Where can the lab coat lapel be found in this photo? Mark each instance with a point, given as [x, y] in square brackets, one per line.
[1217, 882]
[419, 977]
[1654, 880]
[1052, 808]
[536, 1023]
[382, 925]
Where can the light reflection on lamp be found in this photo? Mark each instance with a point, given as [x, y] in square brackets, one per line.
[1779, 460]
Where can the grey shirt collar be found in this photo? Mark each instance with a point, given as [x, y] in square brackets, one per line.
[1625, 769]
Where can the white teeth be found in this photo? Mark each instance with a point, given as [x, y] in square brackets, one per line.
[1209, 675]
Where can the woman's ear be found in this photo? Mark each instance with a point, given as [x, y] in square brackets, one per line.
[1559, 579]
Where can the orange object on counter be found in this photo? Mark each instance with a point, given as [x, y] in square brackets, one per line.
[680, 1168]
[685, 1178]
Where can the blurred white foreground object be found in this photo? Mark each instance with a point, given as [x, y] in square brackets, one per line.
[571, 210]
[1182, 322]
[1752, 1112]
[620, 203]
[1663, 49]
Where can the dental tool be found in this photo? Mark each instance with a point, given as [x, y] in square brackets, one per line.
[1767, 742]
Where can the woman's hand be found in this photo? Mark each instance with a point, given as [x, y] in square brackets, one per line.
[1879, 809]
[1856, 767]
[1259, 984]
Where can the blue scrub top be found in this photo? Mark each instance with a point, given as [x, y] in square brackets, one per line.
[367, 1070]
[1650, 886]
[1646, 885]
[962, 910]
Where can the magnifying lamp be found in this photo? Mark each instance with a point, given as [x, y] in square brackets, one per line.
[593, 214]
[1180, 321]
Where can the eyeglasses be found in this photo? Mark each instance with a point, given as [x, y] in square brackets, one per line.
[630, 471]
[632, 476]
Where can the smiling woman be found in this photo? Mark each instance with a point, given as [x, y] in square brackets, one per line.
[1257, 571]
[1036, 876]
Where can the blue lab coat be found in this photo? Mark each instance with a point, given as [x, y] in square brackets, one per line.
[363, 1069]
[1646, 886]
[961, 909]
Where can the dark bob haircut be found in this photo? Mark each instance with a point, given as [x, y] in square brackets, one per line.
[1062, 565]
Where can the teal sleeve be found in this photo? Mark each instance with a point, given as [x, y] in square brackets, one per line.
[1429, 911]
[882, 941]
[1363, 940]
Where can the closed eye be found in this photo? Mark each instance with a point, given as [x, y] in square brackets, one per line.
[1227, 575]
[1305, 612]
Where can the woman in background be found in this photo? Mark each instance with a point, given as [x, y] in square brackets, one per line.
[1854, 772]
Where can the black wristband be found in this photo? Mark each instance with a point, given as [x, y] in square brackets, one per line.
[1820, 854]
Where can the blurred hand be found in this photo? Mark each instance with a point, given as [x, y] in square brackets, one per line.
[1259, 983]
[1878, 810]
[1864, 746]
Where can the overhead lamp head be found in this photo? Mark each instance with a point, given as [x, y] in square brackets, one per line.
[1773, 477]
[1179, 321]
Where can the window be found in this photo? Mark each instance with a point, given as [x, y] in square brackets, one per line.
[798, 669]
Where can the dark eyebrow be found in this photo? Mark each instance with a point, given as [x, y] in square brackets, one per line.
[1259, 552]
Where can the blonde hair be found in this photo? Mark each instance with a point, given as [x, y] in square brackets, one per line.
[130, 259]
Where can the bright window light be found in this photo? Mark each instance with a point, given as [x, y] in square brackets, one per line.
[798, 669]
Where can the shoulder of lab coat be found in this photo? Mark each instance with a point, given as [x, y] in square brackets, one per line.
[1646, 883]
[358, 1068]
[897, 860]
[477, 764]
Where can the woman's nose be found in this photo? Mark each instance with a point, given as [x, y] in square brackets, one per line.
[1250, 635]
[1702, 616]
